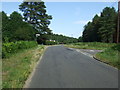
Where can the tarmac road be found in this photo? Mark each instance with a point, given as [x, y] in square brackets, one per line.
[61, 67]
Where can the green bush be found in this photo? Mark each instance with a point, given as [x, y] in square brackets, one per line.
[50, 42]
[14, 47]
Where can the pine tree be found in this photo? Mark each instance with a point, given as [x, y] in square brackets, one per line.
[108, 25]
[5, 28]
[35, 14]
[87, 33]
[15, 21]
[103, 28]
[96, 25]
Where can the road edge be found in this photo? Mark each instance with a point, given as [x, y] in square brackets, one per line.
[104, 62]
[93, 56]
[34, 69]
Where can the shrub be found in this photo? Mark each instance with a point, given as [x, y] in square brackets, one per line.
[50, 42]
[14, 47]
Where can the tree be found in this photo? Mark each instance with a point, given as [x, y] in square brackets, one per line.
[15, 21]
[103, 28]
[25, 32]
[35, 14]
[96, 26]
[108, 25]
[87, 33]
[80, 39]
[90, 33]
[5, 28]
[15, 29]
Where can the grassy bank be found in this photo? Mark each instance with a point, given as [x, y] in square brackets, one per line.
[17, 68]
[110, 54]
[90, 45]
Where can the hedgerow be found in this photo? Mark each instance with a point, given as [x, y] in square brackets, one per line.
[50, 42]
[14, 47]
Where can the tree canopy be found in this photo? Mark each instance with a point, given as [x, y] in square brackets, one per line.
[102, 28]
[14, 28]
[35, 14]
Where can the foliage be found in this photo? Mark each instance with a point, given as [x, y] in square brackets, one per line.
[116, 47]
[55, 37]
[25, 32]
[50, 42]
[108, 24]
[102, 28]
[15, 29]
[35, 14]
[5, 28]
[80, 39]
[42, 39]
[13, 47]
[62, 39]
[35, 21]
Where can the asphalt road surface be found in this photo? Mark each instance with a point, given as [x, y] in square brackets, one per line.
[61, 67]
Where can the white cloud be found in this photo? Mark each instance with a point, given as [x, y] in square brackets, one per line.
[82, 22]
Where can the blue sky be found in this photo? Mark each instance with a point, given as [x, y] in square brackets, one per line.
[69, 18]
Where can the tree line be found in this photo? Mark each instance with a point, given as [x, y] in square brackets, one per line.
[15, 29]
[34, 20]
[59, 39]
[103, 28]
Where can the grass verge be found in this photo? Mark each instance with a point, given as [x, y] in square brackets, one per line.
[90, 45]
[17, 68]
[110, 54]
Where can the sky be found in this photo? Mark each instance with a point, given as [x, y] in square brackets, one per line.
[69, 18]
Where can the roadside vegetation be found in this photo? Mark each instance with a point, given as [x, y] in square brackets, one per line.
[91, 45]
[11, 48]
[17, 68]
[111, 55]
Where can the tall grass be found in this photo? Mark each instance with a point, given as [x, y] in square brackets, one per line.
[111, 56]
[17, 68]
[91, 45]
